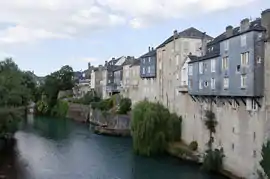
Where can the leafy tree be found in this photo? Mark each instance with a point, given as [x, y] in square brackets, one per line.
[53, 83]
[14, 95]
[151, 128]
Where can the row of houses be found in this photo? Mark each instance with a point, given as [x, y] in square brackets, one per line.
[191, 71]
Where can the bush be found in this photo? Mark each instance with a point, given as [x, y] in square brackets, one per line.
[60, 109]
[124, 106]
[193, 146]
[213, 160]
[151, 128]
[265, 162]
[175, 126]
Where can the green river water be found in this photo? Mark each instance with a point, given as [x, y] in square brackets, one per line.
[49, 148]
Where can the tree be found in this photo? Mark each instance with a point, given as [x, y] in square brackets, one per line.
[14, 95]
[55, 82]
[152, 128]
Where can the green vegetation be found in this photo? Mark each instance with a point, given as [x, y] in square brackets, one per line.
[153, 127]
[60, 109]
[87, 99]
[265, 162]
[193, 146]
[124, 106]
[213, 159]
[47, 94]
[16, 90]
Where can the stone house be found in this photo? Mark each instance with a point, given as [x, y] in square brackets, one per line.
[232, 77]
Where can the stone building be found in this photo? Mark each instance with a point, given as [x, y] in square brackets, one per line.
[230, 75]
[96, 79]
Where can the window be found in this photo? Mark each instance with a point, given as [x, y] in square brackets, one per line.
[238, 68]
[206, 84]
[190, 83]
[200, 84]
[143, 70]
[244, 58]
[226, 83]
[259, 60]
[190, 70]
[201, 67]
[213, 83]
[143, 60]
[226, 45]
[213, 65]
[148, 69]
[243, 40]
[177, 60]
[225, 63]
[243, 81]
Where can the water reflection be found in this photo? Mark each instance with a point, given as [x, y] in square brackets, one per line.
[62, 149]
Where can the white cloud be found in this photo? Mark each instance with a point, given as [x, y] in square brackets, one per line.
[34, 20]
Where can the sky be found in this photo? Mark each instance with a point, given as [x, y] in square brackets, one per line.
[44, 35]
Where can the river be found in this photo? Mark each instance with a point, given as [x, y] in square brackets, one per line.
[50, 148]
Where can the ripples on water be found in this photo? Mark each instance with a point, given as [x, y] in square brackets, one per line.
[61, 149]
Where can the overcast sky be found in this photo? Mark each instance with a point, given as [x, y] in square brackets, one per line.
[43, 35]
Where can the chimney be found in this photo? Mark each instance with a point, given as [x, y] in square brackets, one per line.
[149, 49]
[204, 44]
[265, 16]
[113, 58]
[106, 63]
[229, 31]
[152, 48]
[244, 25]
[175, 33]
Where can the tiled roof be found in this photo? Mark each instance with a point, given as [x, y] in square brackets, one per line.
[188, 33]
[254, 26]
[149, 54]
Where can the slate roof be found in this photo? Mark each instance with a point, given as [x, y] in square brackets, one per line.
[136, 62]
[149, 54]
[254, 26]
[188, 33]
[129, 60]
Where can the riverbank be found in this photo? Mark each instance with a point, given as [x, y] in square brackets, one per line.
[182, 151]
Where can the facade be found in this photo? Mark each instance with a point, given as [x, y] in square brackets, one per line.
[131, 79]
[235, 68]
[171, 57]
[96, 79]
[232, 79]
[148, 64]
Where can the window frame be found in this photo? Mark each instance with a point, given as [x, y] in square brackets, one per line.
[227, 83]
[213, 65]
[243, 81]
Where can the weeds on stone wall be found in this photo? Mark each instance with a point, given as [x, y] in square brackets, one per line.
[124, 106]
[265, 162]
[213, 158]
[153, 127]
